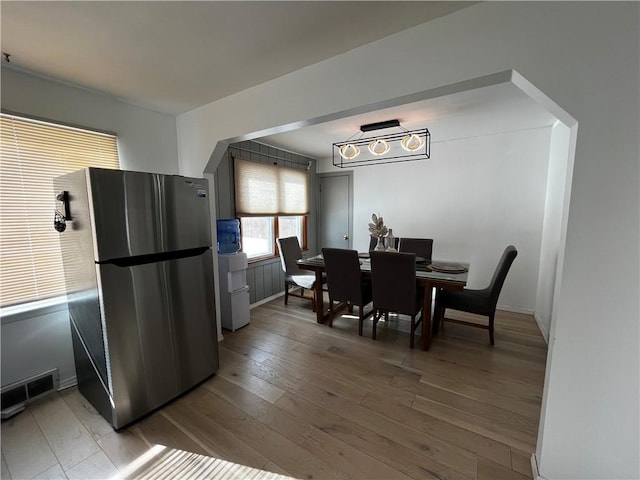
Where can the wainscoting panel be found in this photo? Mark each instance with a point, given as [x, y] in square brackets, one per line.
[252, 284]
[258, 279]
[265, 279]
[277, 278]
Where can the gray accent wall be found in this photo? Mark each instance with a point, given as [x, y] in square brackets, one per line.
[264, 277]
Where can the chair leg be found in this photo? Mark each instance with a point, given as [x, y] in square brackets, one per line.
[439, 320]
[286, 293]
[331, 312]
[376, 316]
[360, 319]
[491, 340]
[313, 300]
[435, 319]
[413, 331]
[438, 314]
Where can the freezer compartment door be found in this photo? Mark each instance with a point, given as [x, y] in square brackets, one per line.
[136, 213]
[160, 331]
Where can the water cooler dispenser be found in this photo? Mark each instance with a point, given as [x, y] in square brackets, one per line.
[232, 265]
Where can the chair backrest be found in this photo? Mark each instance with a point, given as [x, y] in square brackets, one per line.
[500, 274]
[290, 252]
[393, 276]
[422, 247]
[343, 275]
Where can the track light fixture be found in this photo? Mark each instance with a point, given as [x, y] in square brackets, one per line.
[402, 146]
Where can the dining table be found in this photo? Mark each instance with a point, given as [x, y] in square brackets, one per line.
[430, 274]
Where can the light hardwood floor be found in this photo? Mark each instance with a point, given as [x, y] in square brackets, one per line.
[293, 398]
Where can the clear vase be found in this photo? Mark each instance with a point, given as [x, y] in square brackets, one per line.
[390, 242]
[380, 245]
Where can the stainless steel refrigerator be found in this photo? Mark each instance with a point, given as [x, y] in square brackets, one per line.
[139, 277]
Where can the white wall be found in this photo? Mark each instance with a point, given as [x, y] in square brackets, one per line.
[585, 57]
[33, 344]
[474, 197]
[552, 228]
[146, 142]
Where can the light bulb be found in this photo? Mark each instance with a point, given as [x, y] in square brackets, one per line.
[379, 147]
[349, 151]
[412, 142]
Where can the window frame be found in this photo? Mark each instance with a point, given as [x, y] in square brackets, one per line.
[304, 244]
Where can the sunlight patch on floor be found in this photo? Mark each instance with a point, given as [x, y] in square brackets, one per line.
[161, 462]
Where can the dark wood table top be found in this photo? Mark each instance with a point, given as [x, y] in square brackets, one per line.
[424, 269]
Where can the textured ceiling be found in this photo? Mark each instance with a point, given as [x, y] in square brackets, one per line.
[173, 57]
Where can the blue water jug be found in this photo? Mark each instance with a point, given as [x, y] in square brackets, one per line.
[228, 235]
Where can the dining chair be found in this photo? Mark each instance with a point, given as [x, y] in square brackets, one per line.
[294, 276]
[422, 247]
[346, 283]
[480, 302]
[395, 289]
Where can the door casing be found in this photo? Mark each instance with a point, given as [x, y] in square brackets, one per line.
[322, 219]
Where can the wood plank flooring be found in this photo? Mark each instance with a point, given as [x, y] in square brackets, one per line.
[297, 399]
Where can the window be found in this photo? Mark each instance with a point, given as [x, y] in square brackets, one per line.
[271, 202]
[34, 153]
[259, 234]
[290, 227]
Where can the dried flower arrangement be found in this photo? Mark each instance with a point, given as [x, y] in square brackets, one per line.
[377, 228]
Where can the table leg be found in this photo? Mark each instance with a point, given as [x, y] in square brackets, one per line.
[426, 317]
[435, 328]
[319, 298]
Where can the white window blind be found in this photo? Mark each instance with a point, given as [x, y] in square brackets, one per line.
[263, 189]
[32, 154]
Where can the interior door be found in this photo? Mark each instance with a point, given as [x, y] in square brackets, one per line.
[335, 210]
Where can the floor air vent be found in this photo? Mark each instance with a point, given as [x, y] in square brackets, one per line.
[17, 395]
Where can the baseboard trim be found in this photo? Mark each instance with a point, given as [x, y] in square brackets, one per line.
[534, 468]
[507, 308]
[543, 330]
[526, 311]
[266, 300]
[68, 383]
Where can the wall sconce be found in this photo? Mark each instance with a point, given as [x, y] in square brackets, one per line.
[402, 146]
